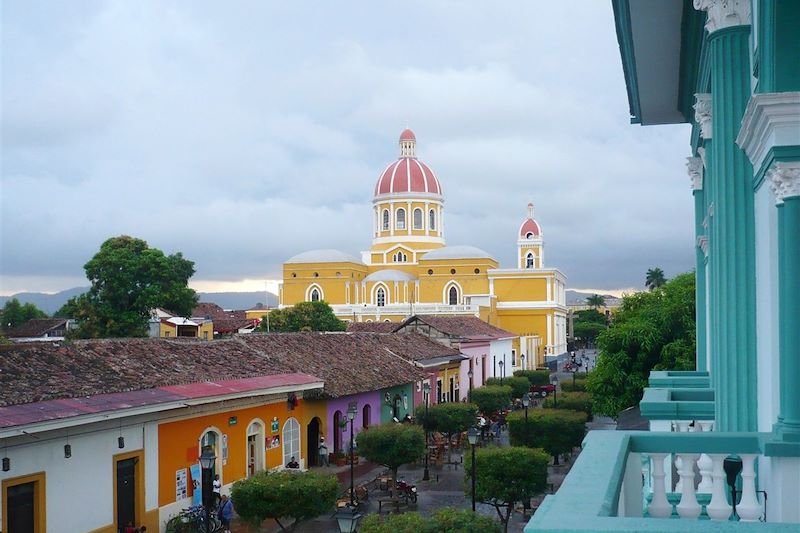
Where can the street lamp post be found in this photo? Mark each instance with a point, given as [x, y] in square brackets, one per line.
[351, 416]
[501, 372]
[472, 436]
[207, 462]
[554, 381]
[522, 361]
[426, 475]
[470, 374]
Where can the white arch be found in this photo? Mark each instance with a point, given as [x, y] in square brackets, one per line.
[217, 448]
[310, 288]
[375, 288]
[386, 219]
[291, 445]
[260, 460]
[446, 292]
[530, 260]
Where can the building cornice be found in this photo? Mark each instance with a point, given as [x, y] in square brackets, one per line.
[771, 119]
[784, 180]
[702, 114]
[724, 13]
[694, 165]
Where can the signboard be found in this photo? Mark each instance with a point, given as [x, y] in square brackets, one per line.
[197, 491]
[181, 485]
[274, 426]
[276, 442]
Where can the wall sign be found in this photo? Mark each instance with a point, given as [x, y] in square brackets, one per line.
[232, 421]
[181, 485]
[274, 427]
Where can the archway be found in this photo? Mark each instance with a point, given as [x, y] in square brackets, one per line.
[337, 432]
[312, 439]
[366, 413]
[255, 448]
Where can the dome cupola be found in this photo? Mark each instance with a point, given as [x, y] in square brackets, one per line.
[408, 175]
[529, 228]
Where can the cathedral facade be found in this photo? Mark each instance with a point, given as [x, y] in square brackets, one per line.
[409, 269]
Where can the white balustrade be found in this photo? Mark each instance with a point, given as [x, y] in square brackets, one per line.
[659, 506]
[688, 506]
[704, 465]
[719, 508]
[748, 508]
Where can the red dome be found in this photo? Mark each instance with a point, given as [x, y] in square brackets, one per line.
[405, 175]
[529, 226]
[408, 135]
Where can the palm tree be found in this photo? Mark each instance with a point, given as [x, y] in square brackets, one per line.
[655, 278]
[596, 300]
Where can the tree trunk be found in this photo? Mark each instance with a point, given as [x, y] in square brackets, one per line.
[555, 459]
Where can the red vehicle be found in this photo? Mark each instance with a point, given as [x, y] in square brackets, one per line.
[541, 391]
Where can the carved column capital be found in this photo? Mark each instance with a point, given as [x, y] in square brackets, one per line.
[784, 180]
[702, 243]
[694, 165]
[724, 13]
[702, 113]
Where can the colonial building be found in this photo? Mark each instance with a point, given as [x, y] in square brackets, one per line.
[410, 269]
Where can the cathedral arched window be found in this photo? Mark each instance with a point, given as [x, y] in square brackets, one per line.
[432, 219]
[400, 221]
[417, 218]
[452, 295]
[400, 257]
[529, 260]
[380, 297]
[314, 295]
[385, 220]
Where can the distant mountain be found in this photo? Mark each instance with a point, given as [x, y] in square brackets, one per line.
[50, 303]
[579, 298]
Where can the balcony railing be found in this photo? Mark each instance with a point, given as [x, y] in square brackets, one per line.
[345, 311]
[605, 490]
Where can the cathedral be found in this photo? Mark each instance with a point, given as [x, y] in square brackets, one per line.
[409, 269]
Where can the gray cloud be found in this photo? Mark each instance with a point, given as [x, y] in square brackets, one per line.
[242, 134]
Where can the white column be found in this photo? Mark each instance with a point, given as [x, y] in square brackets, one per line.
[748, 509]
[426, 219]
[659, 507]
[688, 506]
[718, 508]
[409, 218]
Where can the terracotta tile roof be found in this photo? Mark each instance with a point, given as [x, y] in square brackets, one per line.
[372, 327]
[466, 327]
[37, 327]
[349, 363]
[232, 325]
[215, 312]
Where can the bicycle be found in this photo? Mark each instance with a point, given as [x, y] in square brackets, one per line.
[193, 520]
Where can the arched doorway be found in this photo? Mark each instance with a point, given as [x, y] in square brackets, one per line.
[337, 432]
[255, 448]
[366, 412]
[396, 407]
[212, 437]
[312, 438]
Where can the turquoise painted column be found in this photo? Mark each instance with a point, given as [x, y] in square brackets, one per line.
[785, 183]
[695, 168]
[732, 239]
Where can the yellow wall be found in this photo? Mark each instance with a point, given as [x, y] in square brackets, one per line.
[256, 313]
[520, 289]
[170, 330]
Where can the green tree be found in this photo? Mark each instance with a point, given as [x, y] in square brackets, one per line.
[392, 445]
[556, 431]
[535, 377]
[591, 315]
[651, 331]
[491, 398]
[448, 418]
[15, 314]
[655, 278]
[444, 520]
[304, 316]
[519, 384]
[505, 476]
[573, 401]
[596, 300]
[588, 331]
[128, 280]
[280, 495]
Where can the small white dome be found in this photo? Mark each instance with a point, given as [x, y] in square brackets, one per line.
[390, 275]
[457, 252]
[324, 256]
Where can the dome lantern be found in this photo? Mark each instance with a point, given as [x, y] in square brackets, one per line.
[408, 143]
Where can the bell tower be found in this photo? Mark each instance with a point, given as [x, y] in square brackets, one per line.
[530, 250]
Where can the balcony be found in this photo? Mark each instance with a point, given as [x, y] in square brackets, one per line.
[358, 310]
[622, 482]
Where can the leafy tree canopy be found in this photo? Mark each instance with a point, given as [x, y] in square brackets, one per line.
[15, 314]
[491, 398]
[654, 278]
[392, 445]
[556, 431]
[280, 495]
[588, 331]
[519, 384]
[596, 300]
[444, 520]
[590, 315]
[505, 476]
[304, 316]
[651, 331]
[448, 418]
[535, 377]
[128, 280]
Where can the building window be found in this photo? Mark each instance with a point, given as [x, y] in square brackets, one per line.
[291, 440]
[477, 270]
[432, 219]
[205, 335]
[529, 260]
[452, 295]
[513, 358]
[417, 218]
[167, 333]
[385, 220]
[380, 297]
[400, 257]
[366, 412]
[439, 398]
[314, 295]
[529, 235]
[400, 219]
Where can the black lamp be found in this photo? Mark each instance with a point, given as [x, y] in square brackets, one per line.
[347, 517]
[67, 451]
[6, 464]
[121, 442]
[207, 462]
[472, 437]
[732, 467]
[470, 375]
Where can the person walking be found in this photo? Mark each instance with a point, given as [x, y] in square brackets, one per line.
[225, 513]
[323, 453]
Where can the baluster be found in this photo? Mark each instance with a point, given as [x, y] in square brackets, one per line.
[678, 466]
[704, 464]
[748, 509]
[659, 506]
[707, 425]
[688, 506]
[718, 508]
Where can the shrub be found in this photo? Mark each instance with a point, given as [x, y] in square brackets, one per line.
[579, 386]
[395, 523]
[536, 377]
[279, 495]
[574, 401]
[491, 398]
[519, 384]
[449, 419]
[556, 431]
[444, 520]
[392, 445]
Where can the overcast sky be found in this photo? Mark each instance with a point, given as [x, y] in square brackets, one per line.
[242, 133]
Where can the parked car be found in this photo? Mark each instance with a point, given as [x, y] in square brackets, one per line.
[541, 391]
